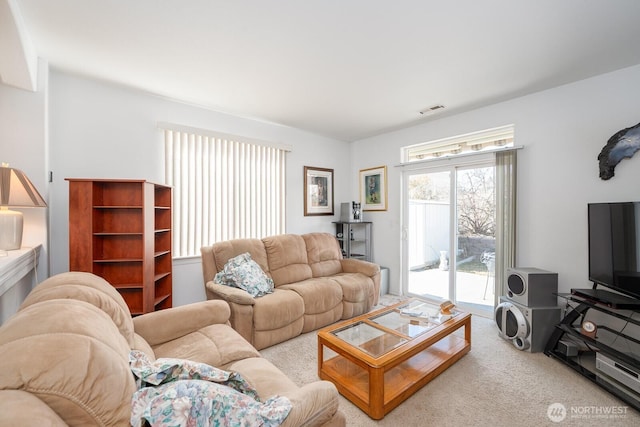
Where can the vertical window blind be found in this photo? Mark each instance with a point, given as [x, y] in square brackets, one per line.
[224, 188]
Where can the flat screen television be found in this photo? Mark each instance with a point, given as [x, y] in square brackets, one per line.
[614, 246]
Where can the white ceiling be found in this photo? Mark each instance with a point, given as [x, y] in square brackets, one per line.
[347, 69]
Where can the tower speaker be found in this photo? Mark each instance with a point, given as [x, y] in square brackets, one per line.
[532, 287]
[528, 328]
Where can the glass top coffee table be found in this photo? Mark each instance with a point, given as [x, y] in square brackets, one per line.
[379, 359]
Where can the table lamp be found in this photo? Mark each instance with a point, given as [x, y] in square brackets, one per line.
[16, 191]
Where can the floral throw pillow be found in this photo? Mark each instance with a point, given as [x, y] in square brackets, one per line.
[244, 273]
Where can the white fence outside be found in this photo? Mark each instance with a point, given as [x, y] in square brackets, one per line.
[429, 224]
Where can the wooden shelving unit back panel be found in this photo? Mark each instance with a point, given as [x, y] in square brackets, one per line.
[134, 300]
[118, 193]
[163, 282]
[118, 220]
[163, 240]
[121, 230]
[163, 196]
[117, 247]
[121, 274]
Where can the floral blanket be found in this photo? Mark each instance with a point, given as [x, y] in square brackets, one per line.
[177, 392]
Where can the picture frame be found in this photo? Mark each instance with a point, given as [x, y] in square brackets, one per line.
[373, 188]
[318, 191]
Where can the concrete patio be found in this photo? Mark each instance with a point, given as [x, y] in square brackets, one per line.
[470, 288]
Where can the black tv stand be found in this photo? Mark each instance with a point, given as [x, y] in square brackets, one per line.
[586, 352]
[607, 298]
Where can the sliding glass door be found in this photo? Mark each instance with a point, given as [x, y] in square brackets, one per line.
[428, 233]
[449, 229]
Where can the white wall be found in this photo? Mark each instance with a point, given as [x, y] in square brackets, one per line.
[563, 131]
[23, 144]
[100, 130]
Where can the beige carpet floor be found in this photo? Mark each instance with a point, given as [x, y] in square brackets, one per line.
[493, 385]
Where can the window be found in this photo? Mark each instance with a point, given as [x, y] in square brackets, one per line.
[473, 143]
[224, 187]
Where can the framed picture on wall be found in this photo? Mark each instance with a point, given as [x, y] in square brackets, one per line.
[318, 191]
[373, 189]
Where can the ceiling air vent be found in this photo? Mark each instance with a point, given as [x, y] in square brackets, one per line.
[432, 109]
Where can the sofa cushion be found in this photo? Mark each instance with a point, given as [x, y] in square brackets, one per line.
[21, 408]
[287, 256]
[322, 301]
[263, 376]
[323, 253]
[244, 273]
[224, 251]
[356, 287]
[357, 291]
[142, 345]
[319, 294]
[313, 404]
[278, 309]
[263, 339]
[215, 345]
[90, 288]
[161, 326]
[71, 356]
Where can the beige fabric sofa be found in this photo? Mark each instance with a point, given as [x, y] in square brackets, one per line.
[314, 285]
[65, 356]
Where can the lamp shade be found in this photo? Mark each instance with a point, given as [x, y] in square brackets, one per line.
[15, 191]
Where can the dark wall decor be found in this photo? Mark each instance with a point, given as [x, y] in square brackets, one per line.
[622, 145]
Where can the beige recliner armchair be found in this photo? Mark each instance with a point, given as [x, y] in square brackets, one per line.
[65, 356]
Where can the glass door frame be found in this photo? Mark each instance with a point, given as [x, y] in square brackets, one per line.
[451, 165]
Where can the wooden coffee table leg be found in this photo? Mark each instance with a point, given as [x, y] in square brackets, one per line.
[467, 331]
[320, 355]
[376, 393]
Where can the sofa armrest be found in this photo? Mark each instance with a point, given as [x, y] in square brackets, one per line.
[229, 293]
[312, 404]
[369, 269]
[165, 325]
[21, 408]
[350, 265]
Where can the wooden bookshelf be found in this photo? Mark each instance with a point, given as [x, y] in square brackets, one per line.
[121, 230]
